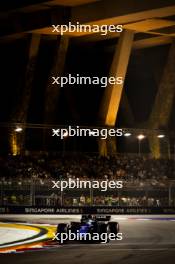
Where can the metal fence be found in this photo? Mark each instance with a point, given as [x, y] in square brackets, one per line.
[34, 192]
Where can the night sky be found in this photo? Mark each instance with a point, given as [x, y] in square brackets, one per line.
[79, 104]
[142, 80]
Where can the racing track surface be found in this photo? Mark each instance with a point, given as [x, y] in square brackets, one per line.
[144, 242]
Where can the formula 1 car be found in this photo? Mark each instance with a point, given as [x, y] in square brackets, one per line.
[88, 225]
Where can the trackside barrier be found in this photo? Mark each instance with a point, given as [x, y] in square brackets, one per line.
[86, 210]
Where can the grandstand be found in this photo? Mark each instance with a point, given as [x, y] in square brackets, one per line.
[129, 86]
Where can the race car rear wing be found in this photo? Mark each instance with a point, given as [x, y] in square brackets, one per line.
[96, 217]
[102, 217]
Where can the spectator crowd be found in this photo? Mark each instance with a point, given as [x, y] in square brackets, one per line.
[127, 167]
[138, 171]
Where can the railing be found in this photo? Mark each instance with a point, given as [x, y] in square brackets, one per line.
[35, 192]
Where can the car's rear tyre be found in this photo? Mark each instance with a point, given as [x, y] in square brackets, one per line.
[61, 228]
[113, 227]
[102, 228]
